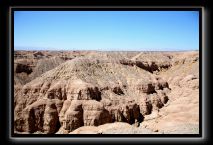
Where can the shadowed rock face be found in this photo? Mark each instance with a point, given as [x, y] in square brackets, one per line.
[93, 90]
[23, 68]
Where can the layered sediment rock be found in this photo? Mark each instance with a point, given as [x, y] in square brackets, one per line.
[76, 93]
[105, 88]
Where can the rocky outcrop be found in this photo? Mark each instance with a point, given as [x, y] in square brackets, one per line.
[38, 54]
[81, 94]
[42, 116]
[64, 96]
[51, 119]
[150, 66]
[73, 117]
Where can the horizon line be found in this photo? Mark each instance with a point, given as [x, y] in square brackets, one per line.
[106, 49]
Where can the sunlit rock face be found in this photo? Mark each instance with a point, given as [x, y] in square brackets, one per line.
[98, 88]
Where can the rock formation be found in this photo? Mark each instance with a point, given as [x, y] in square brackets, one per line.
[94, 89]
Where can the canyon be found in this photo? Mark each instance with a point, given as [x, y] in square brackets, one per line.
[106, 92]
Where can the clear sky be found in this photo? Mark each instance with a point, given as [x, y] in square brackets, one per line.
[107, 30]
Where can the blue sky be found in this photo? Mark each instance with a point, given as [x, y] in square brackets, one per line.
[107, 30]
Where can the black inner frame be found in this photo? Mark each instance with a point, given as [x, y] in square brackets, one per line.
[106, 8]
